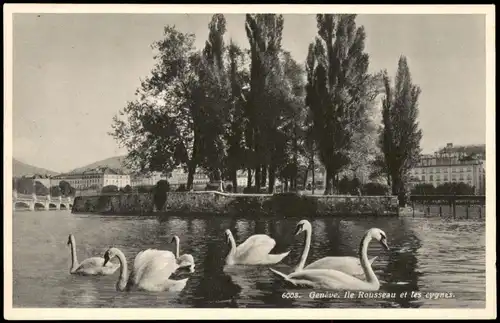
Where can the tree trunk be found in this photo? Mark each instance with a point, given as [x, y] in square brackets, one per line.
[313, 185]
[191, 171]
[234, 179]
[264, 175]
[249, 177]
[257, 178]
[328, 182]
[305, 178]
[272, 178]
[193, 162]
[285, 188]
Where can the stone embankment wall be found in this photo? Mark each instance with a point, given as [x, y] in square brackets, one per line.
[229, 204]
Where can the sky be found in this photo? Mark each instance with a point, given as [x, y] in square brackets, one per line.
[74, 72]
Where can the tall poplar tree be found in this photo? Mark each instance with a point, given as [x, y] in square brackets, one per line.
[400, 136]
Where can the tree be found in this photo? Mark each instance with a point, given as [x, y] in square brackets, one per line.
[66, 189]
[339, 90]
[110, 189]
[400, 136]
[161, 127]
[55, 191]
[264, 32]
[127, 189]
[160, 193]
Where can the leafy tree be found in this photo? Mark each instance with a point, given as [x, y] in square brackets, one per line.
[160, 130]
[127, 189]
[400, 136]
[423, 189]
[55, 191]
[374, 189]
[66, 189]
[264, 33]
[339, 90]
[160, 193]
[41, 189]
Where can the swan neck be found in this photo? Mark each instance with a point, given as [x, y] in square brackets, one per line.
[365, 263]
[232, 251]
[74, 260]
[177, 247]
[305, 253]
[122, 280]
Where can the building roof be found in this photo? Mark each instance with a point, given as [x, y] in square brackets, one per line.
[467, 149]
[94, 171]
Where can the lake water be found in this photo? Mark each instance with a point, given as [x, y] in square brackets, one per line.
[427, 255]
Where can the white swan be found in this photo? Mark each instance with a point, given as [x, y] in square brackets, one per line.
[186, 260]
[337, 280]
[347, 264]
[151, 271]
[254, 251]
[91, 266]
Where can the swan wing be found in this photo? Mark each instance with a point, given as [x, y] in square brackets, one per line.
[153, 267]
[255, 247]
[349, 265]
[93, 262]
[328, 279]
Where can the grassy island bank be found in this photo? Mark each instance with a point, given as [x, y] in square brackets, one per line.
[230, 204]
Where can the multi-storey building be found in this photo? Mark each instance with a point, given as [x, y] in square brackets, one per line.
[147, 179]
[452, 165]
[94, 178]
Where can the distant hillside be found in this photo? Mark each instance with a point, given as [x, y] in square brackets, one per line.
[113, 162]
[22, 169]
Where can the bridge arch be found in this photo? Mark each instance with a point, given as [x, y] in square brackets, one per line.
[39, 206]
[21, 206]
[63, 206]
[52, 206]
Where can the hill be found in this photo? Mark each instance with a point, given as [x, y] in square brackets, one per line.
[116, 162]
[22, 169]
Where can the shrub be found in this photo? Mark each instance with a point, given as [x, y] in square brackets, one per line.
[110, 189]
[160, 193]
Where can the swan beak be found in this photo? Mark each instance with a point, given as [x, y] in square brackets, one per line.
[106, 259]
[385, 245]
[297, 230]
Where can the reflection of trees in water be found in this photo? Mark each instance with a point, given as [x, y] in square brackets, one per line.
[402, 266]
[214, 288]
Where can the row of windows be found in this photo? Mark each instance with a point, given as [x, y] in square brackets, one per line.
[444, 170]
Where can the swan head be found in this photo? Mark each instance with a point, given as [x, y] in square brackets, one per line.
[175, 239]
[108, 255]
[70, 239]
[380, 236]
[303, 225]
[228, 235]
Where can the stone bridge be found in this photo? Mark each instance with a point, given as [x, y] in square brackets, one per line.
[35, 203]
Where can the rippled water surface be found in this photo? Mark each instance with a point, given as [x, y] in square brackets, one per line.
[427, 255]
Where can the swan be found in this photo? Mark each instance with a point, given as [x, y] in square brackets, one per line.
[151, 271]
[91, 266]
[254, 251]
[337, 280]
[349, 265]
[186, 260]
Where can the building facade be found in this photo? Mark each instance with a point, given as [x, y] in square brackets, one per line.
[146, 180]
[94, 178]
[449, 165]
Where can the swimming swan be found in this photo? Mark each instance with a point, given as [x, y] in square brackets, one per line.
[90, 266]
[254, 251]
[337, 280]
[186, 260]
[151, 271]
[347, 264]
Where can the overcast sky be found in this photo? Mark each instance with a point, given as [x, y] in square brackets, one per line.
[74, 72]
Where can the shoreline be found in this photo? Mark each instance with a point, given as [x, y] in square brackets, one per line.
[214, 202]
